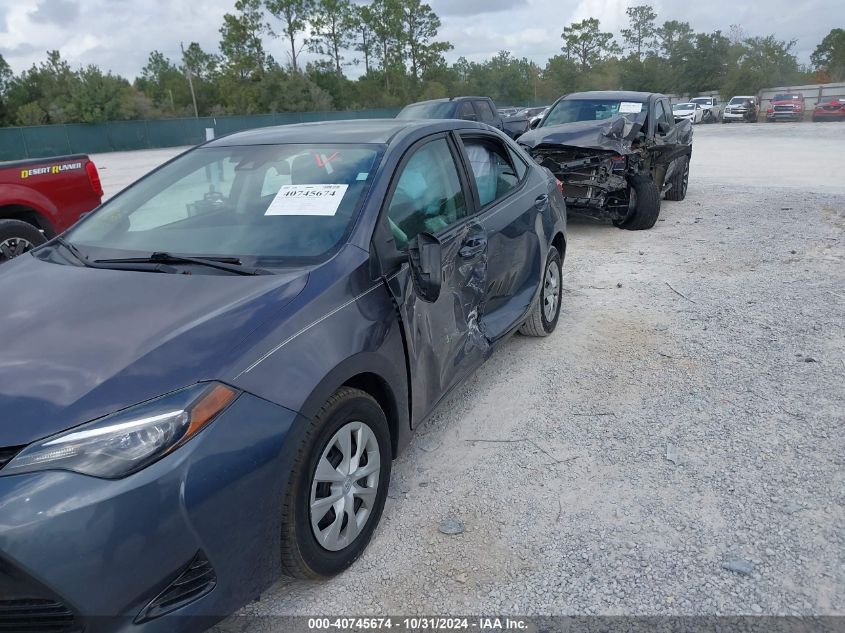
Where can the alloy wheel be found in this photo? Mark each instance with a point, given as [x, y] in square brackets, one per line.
[345, 486]
[14, 247]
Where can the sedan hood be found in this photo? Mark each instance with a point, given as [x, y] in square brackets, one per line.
[615, 134]
[79, 343]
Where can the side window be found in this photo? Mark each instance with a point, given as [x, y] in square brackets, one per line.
[485, 112]
[663, 115]
[519, 163]
[428, 197]
[494, 175]
[467, 112]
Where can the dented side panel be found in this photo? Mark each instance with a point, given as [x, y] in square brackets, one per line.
[445, 338]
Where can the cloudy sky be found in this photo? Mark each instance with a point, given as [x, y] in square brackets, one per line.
[119, 34]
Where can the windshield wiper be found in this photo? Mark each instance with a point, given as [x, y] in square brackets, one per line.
[229, 264]
[73, 250]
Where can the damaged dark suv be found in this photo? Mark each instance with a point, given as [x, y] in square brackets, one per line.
[615, 153]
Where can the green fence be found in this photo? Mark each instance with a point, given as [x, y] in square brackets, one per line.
[117, 136]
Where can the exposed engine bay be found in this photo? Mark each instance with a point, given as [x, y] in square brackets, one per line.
[595, 160]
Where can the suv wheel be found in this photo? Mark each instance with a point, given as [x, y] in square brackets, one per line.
[17, 238]
[338, 486]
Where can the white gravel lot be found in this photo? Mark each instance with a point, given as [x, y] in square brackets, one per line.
[675, 448]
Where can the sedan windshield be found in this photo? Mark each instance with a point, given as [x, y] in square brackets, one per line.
[274, 204]
[573, 110]
[435, 110]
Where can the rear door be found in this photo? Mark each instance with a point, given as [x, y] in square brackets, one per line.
[429, 194]
[510, 197]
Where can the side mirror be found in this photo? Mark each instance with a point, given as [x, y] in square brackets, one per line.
[663, 127]
[534, 123]
[470, 117]
[425, 257]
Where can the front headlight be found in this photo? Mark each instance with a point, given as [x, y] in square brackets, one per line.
[127, 441]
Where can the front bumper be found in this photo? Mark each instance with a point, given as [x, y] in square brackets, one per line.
[785, 116]
[104, 549]
[735, 116]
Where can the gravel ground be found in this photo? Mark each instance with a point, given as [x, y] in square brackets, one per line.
[676, 447]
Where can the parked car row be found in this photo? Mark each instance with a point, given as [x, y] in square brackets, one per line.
[230, 353]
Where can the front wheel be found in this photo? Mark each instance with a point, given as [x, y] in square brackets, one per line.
[17, 238]
[643, 204]
[546, 309]
[338, 486]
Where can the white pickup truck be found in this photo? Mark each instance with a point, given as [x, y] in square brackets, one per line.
[712, 108]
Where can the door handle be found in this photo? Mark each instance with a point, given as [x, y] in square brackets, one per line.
[473, 246]
[541, 201]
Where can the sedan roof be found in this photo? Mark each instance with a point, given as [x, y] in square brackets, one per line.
[380, 131]
[618, 95]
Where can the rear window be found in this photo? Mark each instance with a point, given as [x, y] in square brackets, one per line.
[437, 110]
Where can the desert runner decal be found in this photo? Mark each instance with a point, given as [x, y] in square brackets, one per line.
[49, 169]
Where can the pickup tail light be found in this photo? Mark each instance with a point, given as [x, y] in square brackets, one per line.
[94, 178]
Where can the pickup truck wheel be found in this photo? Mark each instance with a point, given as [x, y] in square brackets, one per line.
[17, 238]
[680, 180]
[338, 486]
[644, 204]
[545, 312]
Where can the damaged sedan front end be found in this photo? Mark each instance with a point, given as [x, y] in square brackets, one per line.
[616, 154]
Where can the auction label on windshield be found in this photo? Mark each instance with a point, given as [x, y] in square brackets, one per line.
[630, 107]
[321, 200]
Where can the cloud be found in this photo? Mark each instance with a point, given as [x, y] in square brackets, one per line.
[118, 35]
[55, 12]
[474, 7]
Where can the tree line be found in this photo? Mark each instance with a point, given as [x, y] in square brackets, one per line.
[392, 46]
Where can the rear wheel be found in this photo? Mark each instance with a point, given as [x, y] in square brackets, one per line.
[338, 486]
[643, 204]
[680, 181]
[17, 238]
[546, 309]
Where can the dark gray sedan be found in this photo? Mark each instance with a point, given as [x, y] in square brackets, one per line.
[204, 383]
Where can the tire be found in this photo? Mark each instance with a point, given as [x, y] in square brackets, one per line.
[545, 311]
[680, 180]
[646, 206]
[17, 238]
[303, 555]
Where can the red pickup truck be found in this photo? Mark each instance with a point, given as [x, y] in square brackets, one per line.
[786, 107]
[40, 198]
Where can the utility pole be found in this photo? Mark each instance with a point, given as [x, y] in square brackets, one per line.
[190, 81]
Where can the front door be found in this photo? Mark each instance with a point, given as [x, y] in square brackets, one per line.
[444, 337]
